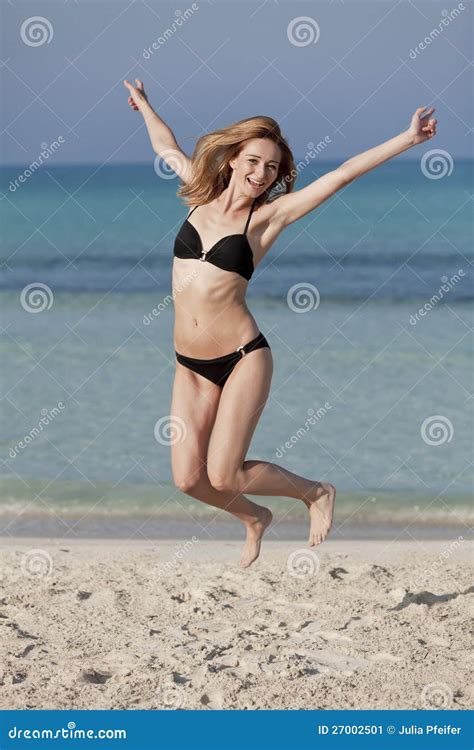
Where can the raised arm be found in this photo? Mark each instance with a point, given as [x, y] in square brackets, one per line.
[293, 206]
[161, 136]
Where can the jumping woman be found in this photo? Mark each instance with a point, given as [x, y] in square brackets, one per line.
[239, 186]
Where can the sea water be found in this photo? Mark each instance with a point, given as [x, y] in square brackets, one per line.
[366, 303]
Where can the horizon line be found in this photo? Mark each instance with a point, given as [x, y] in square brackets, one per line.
[24, 165]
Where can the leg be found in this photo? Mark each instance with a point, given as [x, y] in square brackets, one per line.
[195, 400]
[242, 402]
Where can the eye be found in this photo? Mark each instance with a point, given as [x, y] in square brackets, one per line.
[253, 161]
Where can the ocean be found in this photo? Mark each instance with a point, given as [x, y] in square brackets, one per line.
[366, 303]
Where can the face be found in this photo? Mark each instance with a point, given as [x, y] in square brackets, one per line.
[256, 166]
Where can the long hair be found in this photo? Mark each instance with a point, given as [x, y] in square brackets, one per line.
[211, 171]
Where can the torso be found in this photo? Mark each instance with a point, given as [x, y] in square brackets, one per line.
[211, 315]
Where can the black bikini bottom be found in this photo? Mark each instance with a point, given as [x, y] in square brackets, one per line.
[219, 369]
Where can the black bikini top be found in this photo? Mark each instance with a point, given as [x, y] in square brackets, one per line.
[231, 253]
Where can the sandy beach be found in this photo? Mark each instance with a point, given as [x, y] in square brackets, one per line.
[178, 625]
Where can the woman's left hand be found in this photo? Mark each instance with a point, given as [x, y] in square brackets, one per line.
[422, 128]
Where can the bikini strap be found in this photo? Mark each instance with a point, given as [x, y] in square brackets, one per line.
[250, 216]
[189, 214]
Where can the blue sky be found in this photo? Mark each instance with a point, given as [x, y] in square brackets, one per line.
[348, 72]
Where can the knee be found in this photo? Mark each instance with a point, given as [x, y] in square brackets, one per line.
[188, 483]
[223, 481]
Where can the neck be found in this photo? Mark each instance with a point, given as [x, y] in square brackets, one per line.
[232, 199]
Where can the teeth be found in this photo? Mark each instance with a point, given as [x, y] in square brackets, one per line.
[257, 184]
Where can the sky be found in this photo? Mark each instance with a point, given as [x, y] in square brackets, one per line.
[347, 75]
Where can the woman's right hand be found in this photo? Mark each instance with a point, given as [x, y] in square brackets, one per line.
[137, 94]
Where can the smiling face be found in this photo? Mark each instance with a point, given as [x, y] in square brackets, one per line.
[256, 166]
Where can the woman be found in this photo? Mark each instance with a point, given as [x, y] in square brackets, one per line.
[224, 363]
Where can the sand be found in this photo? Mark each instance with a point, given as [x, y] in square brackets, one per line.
[110, 624]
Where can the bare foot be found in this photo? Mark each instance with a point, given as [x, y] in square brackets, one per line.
[255, 532]
[320, 503]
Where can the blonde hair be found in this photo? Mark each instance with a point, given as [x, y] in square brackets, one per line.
[211, 171]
